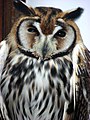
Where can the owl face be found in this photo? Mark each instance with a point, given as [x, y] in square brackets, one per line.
[45, 32]
[31, 37]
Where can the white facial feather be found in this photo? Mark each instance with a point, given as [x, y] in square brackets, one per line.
[24, 34]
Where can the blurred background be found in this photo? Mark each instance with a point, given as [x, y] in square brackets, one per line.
[8, 14]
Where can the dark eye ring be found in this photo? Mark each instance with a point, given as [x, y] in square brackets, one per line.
[33, 30]
[60, 33]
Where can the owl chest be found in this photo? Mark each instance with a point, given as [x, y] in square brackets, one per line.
[37, 74]
[41, 87]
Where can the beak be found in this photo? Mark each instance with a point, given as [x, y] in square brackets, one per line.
[44, 50]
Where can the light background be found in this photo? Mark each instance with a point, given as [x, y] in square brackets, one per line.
[83, 22]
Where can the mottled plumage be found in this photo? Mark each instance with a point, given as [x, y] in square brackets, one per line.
[46, 73]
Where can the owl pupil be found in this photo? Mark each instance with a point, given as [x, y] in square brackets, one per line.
[31, 30]
[60, 33]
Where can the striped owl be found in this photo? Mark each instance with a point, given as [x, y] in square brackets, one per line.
[45, 66]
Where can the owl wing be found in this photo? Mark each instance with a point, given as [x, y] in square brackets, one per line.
[4, 49]
[87, 53]
[3, 110]
[88, 79]
[82, 68]
[81, 77]
[85, 78]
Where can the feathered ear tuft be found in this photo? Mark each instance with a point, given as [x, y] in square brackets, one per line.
[24, 8]
[73, 14]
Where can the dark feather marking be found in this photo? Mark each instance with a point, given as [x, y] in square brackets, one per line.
[53, 101]
[40, 104]
[33, 86]
[70, 108]
[82, 71]
[23, 106]
[53, 115]
[67, 96]
[58, 89]
[79, 60]
[7, 60]
[32, 76]
[50, 90]
[60, 114]
[58, 103]
[3, 85]
[30, 96]
[68, 87]
[13, 113]
[31, 66]
[20, 90]
[41, 63]
[9, 91]
[18, 105]
[39, 69]
[23, 117]
[18, 82]
[37, 95]
[53, 98]
[14, 95]
[51, 83]
[12, 80]
[45, 106]
[1, 115]
[62, 76]
[7, 103]
[71, 68]
[17, 110]
[30, 109]
[47, 66]
[69, 65]
[53, 71]
[44, 95]
[51, 108]
[3, 80]
[15, 69]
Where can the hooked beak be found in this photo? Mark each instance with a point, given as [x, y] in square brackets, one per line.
[44, 50]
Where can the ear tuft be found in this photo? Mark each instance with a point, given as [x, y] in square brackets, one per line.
[23, 7]
[73, 14]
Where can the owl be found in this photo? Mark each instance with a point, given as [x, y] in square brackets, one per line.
[45, 66]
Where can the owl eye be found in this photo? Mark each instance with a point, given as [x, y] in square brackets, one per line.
[33, 30]
[60, 33]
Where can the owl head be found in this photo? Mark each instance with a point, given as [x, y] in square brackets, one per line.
[45, 32]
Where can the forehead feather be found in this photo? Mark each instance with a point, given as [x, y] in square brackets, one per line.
[48, 16]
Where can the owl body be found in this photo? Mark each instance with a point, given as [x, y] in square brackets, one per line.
[37, 91]
[45, 75]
